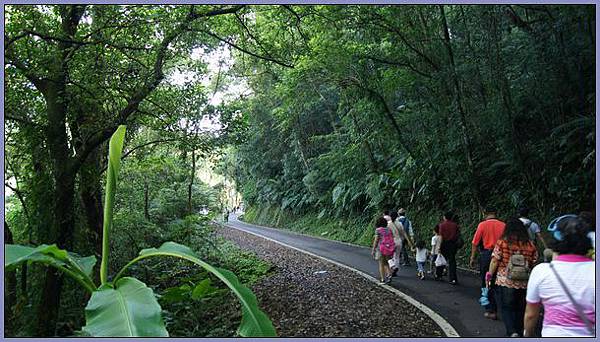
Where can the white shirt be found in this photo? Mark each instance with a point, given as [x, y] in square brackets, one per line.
[560, 315]
[436, 243]
[421, 255]
[532, 229]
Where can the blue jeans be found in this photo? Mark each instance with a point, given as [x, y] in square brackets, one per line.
[421, 266]
[513, 308]
[485, 258]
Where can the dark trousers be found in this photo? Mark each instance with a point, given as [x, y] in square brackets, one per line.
[448, 250]
[404, 252]
[485, 258]
[512, 303]
[439, 271]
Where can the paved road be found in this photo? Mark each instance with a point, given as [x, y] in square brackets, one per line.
[457, 304]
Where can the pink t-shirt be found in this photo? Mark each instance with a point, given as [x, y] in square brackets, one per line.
[560, 316]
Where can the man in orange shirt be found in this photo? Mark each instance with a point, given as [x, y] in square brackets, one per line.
[487, 233]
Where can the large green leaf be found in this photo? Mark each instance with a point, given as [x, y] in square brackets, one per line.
[115, 147]
[129, 309]
[254, 321]
[77, 267]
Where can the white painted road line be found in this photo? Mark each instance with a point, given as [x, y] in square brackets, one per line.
[439, 320]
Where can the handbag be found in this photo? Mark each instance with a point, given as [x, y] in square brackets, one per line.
[440, 261]
[580, 313]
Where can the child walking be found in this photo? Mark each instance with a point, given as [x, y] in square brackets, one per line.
[421, 258]
[436, 243]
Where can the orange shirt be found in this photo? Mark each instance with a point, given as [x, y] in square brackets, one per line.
[489, 231]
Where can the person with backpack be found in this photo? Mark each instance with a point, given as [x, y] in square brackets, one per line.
[566, 285]
[399, 236]
[533, 229]
[512, 259]
[451, 242]
[487, 234]
[408, 230]
[383, 249]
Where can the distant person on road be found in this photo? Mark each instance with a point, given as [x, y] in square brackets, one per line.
[421, 258]
[566, 285]
[533, 229]
[436, 244]
[487, 234]
[383, 249]
[399, 236]
[449, 232]
[589, 219]
[408, 229]
[512, 260]
[226, 215]
[386, 215]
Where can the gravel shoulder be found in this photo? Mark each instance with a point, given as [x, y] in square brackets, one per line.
[308, 297]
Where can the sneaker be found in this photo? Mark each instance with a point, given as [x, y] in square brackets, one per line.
[453, 282]
[514, 335]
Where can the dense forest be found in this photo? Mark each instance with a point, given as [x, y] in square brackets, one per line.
[320, 117]
[430, 108]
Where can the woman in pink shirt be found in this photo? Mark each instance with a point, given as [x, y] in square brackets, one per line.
[565, 286]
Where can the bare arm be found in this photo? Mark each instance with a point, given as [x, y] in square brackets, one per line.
[375, 241]
[472, 258]
[539, 236]
[532, 314]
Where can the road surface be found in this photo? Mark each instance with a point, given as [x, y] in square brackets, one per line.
[458, 304]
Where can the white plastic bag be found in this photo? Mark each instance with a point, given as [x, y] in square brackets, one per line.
[392, 263]
[440, 261]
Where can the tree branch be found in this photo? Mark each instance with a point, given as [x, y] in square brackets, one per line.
[400, 64]
[150, 84]
[237, 47]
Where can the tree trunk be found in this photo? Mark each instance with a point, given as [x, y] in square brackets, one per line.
[146, 199]
[191, 184]
[467, 143]
[62, 225]
[11, 287]
[91, 196]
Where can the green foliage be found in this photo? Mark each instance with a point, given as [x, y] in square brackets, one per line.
[254, 321]
[383, 111]
[128, 309]
[115, 148]
[75, 266]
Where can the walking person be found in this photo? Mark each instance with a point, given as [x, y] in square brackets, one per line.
[421, 258]
[436, 244]
[450, 244]
[399, 237]
[383, 249]
[408, 229]
[512, 260]
[566, 285]
[533, 229]
[487, 234]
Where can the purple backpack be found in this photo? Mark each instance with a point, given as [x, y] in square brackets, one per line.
[386, 245]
